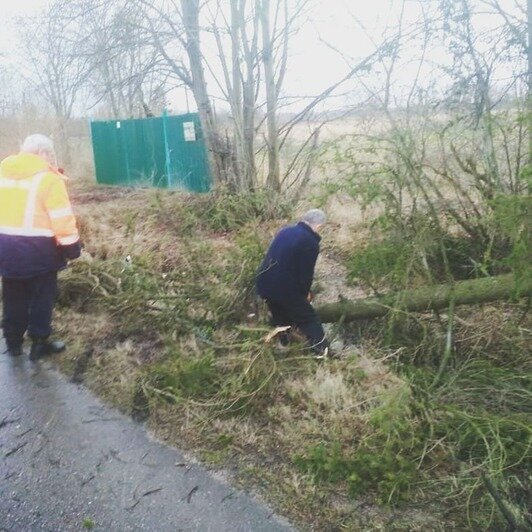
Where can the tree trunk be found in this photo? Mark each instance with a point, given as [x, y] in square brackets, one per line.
[234, 91]
[249, 94]
[273, 180]
[218, 156]
[428, 298]
[529, 99]
[63, 146]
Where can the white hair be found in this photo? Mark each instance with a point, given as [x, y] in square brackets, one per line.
[314, 217]
[37, 144]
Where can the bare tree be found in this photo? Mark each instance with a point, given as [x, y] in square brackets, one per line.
[138, 50]
[252, 41]
[7, 105]
[55, 68]
[125, 73]
[272, 91]
[240, 80]
[172, 28]
[452, 147]
[198, 85]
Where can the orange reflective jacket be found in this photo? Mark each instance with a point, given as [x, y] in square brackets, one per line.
[37, 226]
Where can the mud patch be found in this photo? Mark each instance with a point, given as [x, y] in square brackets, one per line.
[81, 363]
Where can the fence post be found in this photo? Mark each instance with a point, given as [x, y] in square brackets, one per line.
[166, 150]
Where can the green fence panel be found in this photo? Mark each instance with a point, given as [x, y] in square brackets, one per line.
[188, 164]
[167, 152]
[108, 157]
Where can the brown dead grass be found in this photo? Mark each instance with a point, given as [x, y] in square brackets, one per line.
[309, 403]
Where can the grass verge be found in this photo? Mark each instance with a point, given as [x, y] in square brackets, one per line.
[162, 322]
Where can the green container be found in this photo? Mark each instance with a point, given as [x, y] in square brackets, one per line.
[166, 152]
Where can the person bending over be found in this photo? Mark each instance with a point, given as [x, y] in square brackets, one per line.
[285, 278]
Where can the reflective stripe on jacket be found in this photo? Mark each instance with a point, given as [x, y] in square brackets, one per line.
[37, 226]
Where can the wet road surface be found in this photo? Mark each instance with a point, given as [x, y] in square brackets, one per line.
[68, 462]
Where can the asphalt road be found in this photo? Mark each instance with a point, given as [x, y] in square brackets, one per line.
[68, 462]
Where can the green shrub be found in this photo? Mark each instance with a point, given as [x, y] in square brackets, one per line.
[223, 211]
[512, 219]
[380, 263]
[383, 471]
[220, 211]
[385, 462]
[182, 377]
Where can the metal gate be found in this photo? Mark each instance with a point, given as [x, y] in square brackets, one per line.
[166, 151]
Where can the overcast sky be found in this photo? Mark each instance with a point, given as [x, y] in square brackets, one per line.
[313, 65]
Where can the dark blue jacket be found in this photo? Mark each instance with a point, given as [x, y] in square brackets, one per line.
[288, 268]
[28, 256]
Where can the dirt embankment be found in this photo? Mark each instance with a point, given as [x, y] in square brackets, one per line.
[158, 319]
[151, 334]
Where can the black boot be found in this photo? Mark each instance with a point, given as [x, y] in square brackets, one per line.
[42, 347]
[14, 346]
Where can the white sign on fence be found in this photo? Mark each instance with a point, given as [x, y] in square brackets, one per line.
[190, 131]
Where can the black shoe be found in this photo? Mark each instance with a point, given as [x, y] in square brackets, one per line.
[284, 339]
[41, 348]
[14, 345]
[283, 342]
[14, 351]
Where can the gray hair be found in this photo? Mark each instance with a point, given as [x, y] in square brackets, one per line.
[314, 217]
[37, 143]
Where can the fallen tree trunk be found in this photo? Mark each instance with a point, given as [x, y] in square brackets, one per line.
[427, 298]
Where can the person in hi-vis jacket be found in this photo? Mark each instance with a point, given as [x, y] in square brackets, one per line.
[38, 234]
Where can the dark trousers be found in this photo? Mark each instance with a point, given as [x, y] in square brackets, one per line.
[27, 306]
[298, 312]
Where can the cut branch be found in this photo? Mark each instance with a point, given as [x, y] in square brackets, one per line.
[468, 292]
